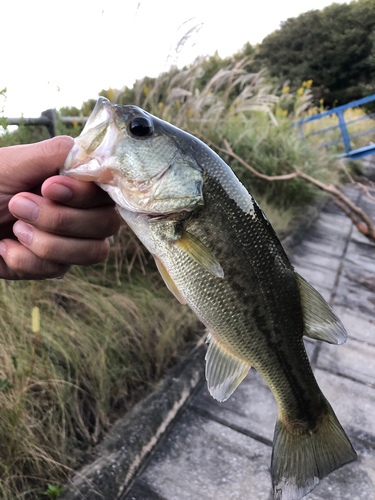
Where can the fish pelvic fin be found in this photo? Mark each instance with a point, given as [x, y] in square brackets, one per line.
[224, 371]
[302, 458]
[321, 322]
[171, 285]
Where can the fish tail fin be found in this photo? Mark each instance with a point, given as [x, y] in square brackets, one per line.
[301, 458]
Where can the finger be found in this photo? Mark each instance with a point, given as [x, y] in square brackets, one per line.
[61, 249]
[29, 165]
[18, 262]
[97, 223]
[78, 194]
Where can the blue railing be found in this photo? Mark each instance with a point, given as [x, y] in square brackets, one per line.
[345, 137]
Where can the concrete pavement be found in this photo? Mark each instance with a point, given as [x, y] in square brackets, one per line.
[222, 451]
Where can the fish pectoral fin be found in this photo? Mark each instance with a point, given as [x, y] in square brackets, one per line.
[321, 322]
[224, 372]
[171, 285]
[200, 253]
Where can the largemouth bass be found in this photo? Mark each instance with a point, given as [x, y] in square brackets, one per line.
[218, 253]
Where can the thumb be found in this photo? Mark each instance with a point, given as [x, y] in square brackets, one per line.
[27, 166]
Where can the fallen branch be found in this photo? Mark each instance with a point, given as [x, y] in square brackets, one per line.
[361, 220]
[365, 190]
[362, 185]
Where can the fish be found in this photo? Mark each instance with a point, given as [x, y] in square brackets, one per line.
[218, 253]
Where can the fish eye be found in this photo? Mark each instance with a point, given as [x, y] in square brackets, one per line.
[140, 127]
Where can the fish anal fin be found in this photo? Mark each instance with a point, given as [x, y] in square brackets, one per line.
[321, 322]
[224, 371]
[302, 458]
[200, 253]
[168, 280]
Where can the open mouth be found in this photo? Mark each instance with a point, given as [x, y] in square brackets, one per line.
[84, 161]
[102, 112]
[107, 154]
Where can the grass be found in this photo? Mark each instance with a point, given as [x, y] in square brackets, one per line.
[277, 150]
[101, 345]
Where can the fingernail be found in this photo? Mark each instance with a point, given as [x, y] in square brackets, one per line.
[58, 192]
[23, 208]
[24, 232]
[3, 250]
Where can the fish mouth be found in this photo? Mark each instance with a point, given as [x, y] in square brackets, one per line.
[102, 112]
[84, 161]
[95, 157]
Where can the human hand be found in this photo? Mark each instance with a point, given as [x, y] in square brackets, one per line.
[67, 225]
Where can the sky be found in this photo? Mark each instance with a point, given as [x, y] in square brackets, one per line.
[61, 53]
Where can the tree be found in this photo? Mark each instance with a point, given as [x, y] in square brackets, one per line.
[335, 47]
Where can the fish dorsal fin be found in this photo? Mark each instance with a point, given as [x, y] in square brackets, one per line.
[168, 280]
[321, 322]
[224, 372]
[200, 253]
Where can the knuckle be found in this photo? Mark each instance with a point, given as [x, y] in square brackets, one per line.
[25, 262]
[93, 196]
[59, 221]
[16, 261]
[55, 219]
[44, 249]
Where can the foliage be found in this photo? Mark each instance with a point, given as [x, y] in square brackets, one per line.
[23, 135]
[254, 116]
[335, 47]
[4, 97]
[54, 491]
[100, 346]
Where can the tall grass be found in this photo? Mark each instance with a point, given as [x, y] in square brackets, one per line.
[177, 96]
[101, 345]
[256, 118]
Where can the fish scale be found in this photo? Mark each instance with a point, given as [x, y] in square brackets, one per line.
[240, 308]
[217, 252]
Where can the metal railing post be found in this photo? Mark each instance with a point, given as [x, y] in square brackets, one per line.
[344, 131]
[51, 125]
